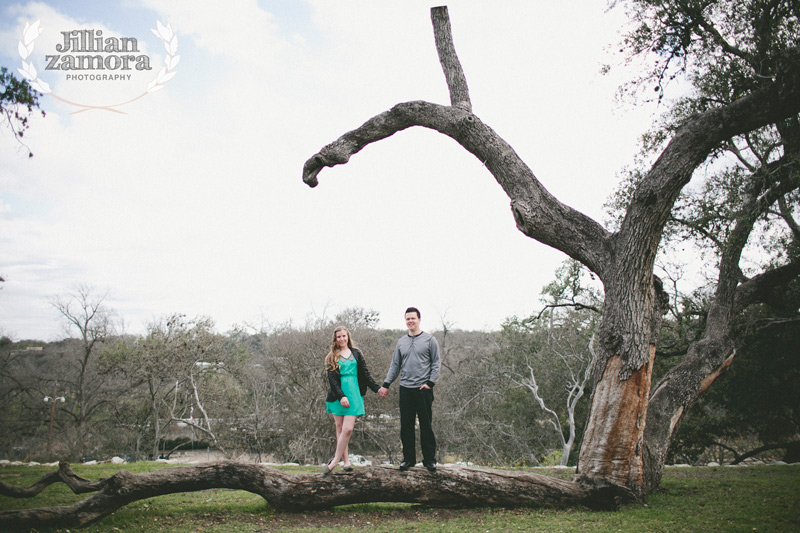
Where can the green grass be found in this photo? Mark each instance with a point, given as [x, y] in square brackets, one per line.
[756, 498]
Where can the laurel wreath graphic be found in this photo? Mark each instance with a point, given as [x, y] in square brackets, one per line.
[167, 72]
[32, 31]
[25, 48]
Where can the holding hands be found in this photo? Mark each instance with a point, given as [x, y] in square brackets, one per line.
[383, 392]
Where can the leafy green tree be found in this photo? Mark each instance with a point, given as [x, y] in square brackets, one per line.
[753, 408]
[18, 100]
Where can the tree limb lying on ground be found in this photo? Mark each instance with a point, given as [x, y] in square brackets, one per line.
[448, 487]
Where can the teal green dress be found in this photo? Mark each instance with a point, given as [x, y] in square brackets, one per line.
[348, 370]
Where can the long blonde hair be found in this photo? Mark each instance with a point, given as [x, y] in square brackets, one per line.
[332, 359]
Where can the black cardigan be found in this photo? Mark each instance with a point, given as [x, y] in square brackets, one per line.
[364, 380]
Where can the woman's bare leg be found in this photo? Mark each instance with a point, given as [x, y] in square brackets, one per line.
[344, 430]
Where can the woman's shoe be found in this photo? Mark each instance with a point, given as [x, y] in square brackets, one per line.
[326, 471]
[348, 468]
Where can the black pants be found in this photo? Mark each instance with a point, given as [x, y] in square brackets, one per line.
[417, 404]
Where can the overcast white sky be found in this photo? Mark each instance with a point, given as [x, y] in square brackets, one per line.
[192, 200]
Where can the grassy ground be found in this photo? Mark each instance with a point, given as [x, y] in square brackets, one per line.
[755, 498]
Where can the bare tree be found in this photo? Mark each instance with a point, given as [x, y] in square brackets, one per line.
[168, 363]
[85, 311]
[576, 364]
[291, 359]
[262, 415]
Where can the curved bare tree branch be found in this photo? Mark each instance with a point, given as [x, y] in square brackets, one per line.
[537, 213]
[64, 474]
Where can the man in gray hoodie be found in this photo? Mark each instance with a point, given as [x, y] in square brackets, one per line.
[416, 361]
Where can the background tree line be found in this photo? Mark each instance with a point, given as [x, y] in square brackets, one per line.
[517, 396]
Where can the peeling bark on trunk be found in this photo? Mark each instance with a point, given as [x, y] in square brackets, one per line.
[448, 487]
[612, 444]
[615, 453]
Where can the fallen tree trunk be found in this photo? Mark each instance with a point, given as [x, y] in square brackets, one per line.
[448, 487]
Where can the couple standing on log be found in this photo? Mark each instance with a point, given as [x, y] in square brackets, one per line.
[415, 360]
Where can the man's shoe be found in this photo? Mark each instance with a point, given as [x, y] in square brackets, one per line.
[405, 466]
[431, 467]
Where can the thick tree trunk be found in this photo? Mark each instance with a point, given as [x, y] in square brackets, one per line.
[613, 438]
[448, 487]
[673, 395]
[612, 444]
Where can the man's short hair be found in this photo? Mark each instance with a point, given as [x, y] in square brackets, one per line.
[413, 310]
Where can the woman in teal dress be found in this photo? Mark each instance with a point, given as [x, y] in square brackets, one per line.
[348, 379]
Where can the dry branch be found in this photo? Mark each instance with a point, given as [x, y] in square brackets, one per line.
[64, 474]
[453, 73]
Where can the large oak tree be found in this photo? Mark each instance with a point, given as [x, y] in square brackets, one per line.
[757, 40]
